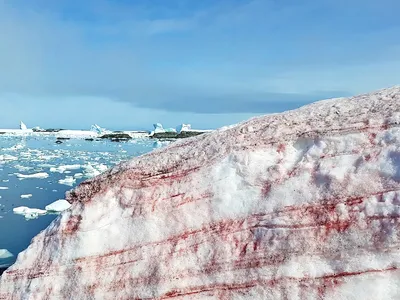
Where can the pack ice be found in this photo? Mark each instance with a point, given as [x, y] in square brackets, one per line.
[299, 205]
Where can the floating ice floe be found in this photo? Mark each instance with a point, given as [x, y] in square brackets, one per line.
[7, 157]
[69, 180]
[92, 170]
[3, 188]
[65, 168]
[26, 196]
[58, 206]
[22, 168]
[29, 213]
[41, 175]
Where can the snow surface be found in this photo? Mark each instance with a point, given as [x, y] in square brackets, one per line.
[299, 205]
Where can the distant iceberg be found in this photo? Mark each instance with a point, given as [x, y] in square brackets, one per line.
[183, 127]
[22, 126]
[96, 128]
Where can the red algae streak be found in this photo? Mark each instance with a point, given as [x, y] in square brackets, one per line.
[296, 205]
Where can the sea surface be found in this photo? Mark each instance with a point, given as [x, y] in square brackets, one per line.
[67, 164]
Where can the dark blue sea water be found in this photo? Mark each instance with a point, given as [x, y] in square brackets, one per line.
[30, 155]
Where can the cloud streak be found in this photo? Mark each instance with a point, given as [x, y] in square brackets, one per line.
[219, 57]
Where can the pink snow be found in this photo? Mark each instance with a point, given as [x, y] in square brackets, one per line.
[299, 205]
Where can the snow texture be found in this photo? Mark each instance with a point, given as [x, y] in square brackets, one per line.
[299, 205]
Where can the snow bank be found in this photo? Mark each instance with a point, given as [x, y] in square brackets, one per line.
[299, 205]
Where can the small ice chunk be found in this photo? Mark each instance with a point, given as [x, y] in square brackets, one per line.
[36, 175]
[3, 188]
[26, 196]
[78, 175]
[69, 180]
[58, 206]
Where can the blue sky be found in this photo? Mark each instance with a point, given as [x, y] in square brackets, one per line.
[127, 64]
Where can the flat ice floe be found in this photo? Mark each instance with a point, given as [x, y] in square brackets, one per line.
[58, 206]
[26, 196]
[69, 180]
[41, 175]
[7, 157]
[64, 168]
[3, 188]
[29, 213]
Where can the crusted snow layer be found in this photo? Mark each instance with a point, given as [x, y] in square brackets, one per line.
[299, 205]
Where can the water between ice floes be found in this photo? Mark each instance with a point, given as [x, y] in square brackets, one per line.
[35, 171]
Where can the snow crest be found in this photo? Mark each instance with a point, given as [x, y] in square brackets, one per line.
[299, 205]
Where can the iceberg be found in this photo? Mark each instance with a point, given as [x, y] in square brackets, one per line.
[4, 253]
[183, 127]
[58, 206]
[296, 205]
[22, 126]
[96, 128]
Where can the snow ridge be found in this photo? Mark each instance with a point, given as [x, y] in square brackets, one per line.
[299, 205]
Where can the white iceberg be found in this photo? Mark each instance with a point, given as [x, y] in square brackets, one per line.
[96, 128]
[58, 206]
[22, 126]
[4, 253]
[183, 127]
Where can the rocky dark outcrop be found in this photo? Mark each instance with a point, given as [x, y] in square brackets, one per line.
[175, 135]
[116, 137]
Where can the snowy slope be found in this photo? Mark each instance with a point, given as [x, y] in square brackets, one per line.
[299, 205]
